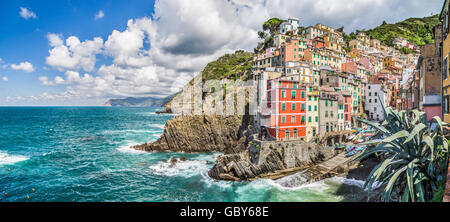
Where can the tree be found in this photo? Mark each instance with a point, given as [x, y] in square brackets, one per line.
[272, 25]
[384, 23]
[262, 35]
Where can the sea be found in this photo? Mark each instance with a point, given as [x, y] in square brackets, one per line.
[83, 154]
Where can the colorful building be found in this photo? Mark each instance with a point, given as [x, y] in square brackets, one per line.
[312, 112]
[284, 115]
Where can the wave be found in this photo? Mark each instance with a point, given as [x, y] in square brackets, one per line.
[6, 159]
[155, 125]
[186, 168]
[354, 182]
[128, 149]
[131, 131]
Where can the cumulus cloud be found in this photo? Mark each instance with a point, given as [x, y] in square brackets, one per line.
[24, 66]
[4, 78]
[156, 57]
[99, 15]
[74, 54]
[27, 13]
[44, 80]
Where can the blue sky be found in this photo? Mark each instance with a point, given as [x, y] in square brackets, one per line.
[61, 54]
[25, 39]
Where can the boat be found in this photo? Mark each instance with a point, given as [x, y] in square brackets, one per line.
[349, 154]
[359, 141]
[350, 149]
[341, 147]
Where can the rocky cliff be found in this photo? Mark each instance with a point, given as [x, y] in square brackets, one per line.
[264, 158]
[194, 134]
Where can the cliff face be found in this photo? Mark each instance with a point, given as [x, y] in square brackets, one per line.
[203, 133]
[264, 158]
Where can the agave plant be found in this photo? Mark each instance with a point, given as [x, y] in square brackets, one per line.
[415, 155]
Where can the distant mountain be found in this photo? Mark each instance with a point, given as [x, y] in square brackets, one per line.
[139, 102]
[417, 30]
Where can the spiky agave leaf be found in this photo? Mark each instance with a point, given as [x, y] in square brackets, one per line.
[415, 155]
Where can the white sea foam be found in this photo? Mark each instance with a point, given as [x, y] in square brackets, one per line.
[186, 168]
[6, 159]
[160, 126]
[128, 149]
[131, 131]
[354, 182]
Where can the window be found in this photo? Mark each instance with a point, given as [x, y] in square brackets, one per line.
[331, 103]
[309, 108]
[326, 102]
[326, 113]
[309, 119]
[303, 107]
[294, 106]
[283, 94]
[283, 119]
[317, 119]
[303, 94]
[303, 119]
[283, 106]
[293, 120]
[295, 133]
[315, 108]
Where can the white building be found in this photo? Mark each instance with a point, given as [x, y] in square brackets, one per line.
[292, 24]
[376, 97]
[400, 41]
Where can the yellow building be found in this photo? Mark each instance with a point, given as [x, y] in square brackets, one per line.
[392, 61]
[280, 39]
[312, 112]
[332, 41]
[444, 17]
[323, 57]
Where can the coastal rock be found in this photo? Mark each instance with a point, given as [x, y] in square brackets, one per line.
[202, 133]
[271, 156]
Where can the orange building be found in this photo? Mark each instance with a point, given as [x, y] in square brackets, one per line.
[318, 42]
[290, 52]
[286, 100]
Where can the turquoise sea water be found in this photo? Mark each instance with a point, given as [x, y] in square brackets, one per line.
[83, 154]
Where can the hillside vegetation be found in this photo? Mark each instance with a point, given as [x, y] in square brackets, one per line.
[232, 66]
[417, 30]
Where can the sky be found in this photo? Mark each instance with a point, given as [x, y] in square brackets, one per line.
[82, 53]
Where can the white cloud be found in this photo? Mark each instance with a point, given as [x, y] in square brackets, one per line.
[24, 66]
[156, 57]
[44, 80]
[27, 13]
[74, 54]
[4, 78]
[99, 15]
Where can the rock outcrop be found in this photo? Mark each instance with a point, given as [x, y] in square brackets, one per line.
[268, 157]
[195, 134]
